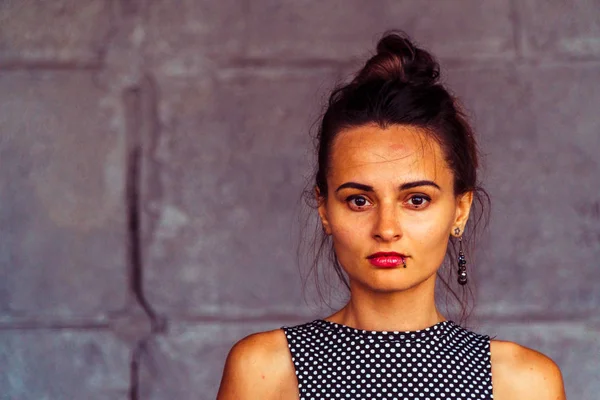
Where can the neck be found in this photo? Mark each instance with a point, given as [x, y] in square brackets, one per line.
[407, 310]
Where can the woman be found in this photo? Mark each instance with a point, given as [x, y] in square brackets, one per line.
[395, 181]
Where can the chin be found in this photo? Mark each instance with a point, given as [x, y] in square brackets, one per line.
[387, 285]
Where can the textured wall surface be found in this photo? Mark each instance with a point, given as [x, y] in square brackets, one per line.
[153, 155]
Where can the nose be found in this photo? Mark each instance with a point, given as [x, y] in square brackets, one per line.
[387, 226]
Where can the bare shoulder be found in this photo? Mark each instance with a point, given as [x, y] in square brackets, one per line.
[519, 372]
[259, 366]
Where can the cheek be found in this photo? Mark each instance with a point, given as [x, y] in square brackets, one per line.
[344, 230]
[349, 230]
[428, 231]
[431, 236]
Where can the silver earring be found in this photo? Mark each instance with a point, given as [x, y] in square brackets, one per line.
[462, 261]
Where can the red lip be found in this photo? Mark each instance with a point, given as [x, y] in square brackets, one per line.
[387, 259]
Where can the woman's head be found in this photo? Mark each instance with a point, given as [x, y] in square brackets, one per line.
[390, 191]
[394, 124]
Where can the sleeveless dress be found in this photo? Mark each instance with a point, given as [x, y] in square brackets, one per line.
[444, 361]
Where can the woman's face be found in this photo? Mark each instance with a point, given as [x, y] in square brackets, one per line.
[390, 191]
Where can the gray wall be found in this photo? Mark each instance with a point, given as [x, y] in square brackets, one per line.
[153, 153]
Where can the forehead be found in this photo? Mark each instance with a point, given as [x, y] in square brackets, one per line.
[397, 151]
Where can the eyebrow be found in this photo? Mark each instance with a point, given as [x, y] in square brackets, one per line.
[404, 186]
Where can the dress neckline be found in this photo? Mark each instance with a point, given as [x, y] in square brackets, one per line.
[435, 331]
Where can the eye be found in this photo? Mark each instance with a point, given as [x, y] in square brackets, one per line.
[419, 201]
[357, 202]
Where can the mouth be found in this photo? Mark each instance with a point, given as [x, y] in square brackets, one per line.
[387, 259]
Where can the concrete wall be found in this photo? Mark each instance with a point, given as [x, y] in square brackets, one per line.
[153, 154]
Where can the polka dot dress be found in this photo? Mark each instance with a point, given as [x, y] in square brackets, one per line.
[444, 361]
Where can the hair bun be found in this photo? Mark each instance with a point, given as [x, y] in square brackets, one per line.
[399, 59]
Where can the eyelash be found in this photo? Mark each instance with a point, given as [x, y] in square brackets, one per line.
[420, 196]
[354, 197]
[361, 208]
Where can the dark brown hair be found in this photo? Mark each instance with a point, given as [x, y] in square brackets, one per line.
[400, 85]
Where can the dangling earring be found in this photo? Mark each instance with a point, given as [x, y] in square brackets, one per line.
[462, 262]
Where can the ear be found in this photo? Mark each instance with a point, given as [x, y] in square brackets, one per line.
[463, 208]
[322, 211]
